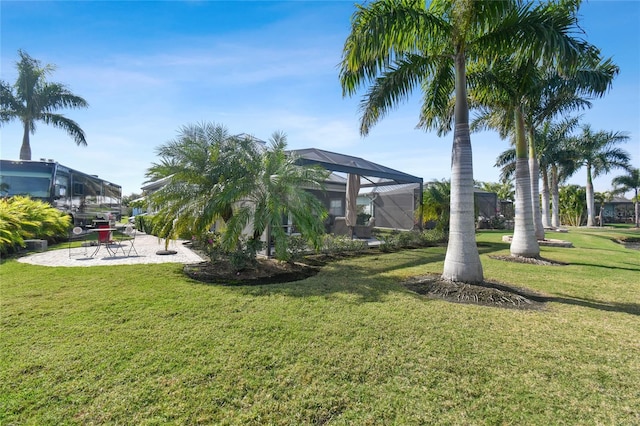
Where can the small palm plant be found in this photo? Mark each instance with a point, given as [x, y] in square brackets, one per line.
[279, 190]
[237, 185]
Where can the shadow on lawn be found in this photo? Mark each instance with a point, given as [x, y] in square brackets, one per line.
[368, 280]
[593, 265]
[627, 308]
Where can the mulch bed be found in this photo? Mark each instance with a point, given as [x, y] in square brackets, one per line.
[264, 271]
[486, 293]
[529, 260]
[272, 271]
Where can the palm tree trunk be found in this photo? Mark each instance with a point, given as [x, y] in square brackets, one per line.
[601, 215]
[524, 242]
[534, 172]
[546, 219]
[590, 198]
[462, 261]
[25, 149]
[555, 198]
[637, 210]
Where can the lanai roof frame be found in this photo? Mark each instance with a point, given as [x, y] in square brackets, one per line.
[349, 164]
[366, 169]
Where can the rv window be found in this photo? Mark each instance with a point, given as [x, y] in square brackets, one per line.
[61, 191]
[78, 188]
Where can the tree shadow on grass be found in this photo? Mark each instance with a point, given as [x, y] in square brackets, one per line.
[627, 308]
[484, 248]
[368, 280]
[333, 276]
[593, 265]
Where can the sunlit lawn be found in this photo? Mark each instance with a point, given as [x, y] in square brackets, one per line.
[145, 345]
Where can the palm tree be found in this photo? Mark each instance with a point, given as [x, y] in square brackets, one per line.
[33, 99]
[214, 176]
[278, 190]
[504, 88]
[541, 92]
[602, 198]
[504, 189]
[397, 45]
[556, 163]
[556, 158]
[629, 182]
[597, 152]
[207, 170]
[557, 93]
[436, 202]
[529, 92]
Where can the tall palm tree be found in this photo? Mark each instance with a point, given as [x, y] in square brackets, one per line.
[555, 159]
[504, 87]
[596, 151]
[398, 45]
[541, 92]
[629, 182]
[33, 99]
[557, 93]
[529, 92]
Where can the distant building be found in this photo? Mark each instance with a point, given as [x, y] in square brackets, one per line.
[618, 210]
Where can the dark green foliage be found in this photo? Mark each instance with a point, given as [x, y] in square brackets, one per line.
[573, 205]
[340, 244]
[145, 223]
[244, 255]
[362, 218]
[297, 248]
[214, 179]
[397, 240]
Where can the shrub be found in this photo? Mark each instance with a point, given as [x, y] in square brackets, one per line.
[144, 223]
[211, 244]
[296, 248]
[362, 218]
[494, 222]
[246, 253]
[412, 239]
[23, 218]
[340, 244]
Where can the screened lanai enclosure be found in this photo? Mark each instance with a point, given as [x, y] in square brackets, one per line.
[360, 194]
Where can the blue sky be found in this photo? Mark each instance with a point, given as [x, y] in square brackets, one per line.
[149, 67]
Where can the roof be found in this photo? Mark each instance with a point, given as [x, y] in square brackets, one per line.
[349, 164]
[390, 189]
[156, 184]
[620, 200]
[252, 138]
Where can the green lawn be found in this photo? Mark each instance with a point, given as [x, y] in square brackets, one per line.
[145, 345]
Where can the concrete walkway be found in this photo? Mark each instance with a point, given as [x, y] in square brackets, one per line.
[147, 247]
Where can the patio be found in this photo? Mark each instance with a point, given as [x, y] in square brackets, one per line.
[147, 247]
